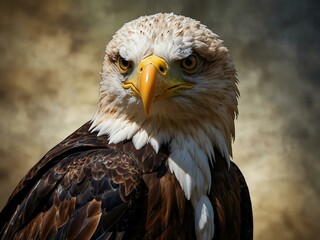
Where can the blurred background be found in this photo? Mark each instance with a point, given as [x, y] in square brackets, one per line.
[52, 51]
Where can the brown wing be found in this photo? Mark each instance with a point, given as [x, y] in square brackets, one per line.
[231, 202]
[73, 197]
[86, 188]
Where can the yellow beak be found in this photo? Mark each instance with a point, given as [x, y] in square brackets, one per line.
[154, 81]
[147, 86]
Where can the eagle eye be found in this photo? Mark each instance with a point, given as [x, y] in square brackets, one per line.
[123, 65]
[190, 64]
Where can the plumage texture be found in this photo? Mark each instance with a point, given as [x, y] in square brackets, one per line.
[124, 175]
[78, 189]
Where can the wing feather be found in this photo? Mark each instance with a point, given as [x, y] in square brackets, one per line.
[231, 202]
[72, 192]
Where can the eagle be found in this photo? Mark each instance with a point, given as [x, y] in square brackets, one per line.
[155, 161]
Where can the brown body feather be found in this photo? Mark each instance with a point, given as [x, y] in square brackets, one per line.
[86, 188]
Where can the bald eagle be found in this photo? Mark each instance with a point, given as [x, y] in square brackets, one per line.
[155, 160]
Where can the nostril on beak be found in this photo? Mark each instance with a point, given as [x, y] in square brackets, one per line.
[162, 68]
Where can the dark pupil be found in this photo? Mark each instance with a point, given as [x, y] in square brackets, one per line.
[124, 63]
[188, 62]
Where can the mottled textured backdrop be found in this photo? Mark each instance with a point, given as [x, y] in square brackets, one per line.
[51, 54]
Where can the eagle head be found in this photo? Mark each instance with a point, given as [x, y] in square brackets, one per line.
[164, 74]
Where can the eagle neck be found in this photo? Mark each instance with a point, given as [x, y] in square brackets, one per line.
[191, 154]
